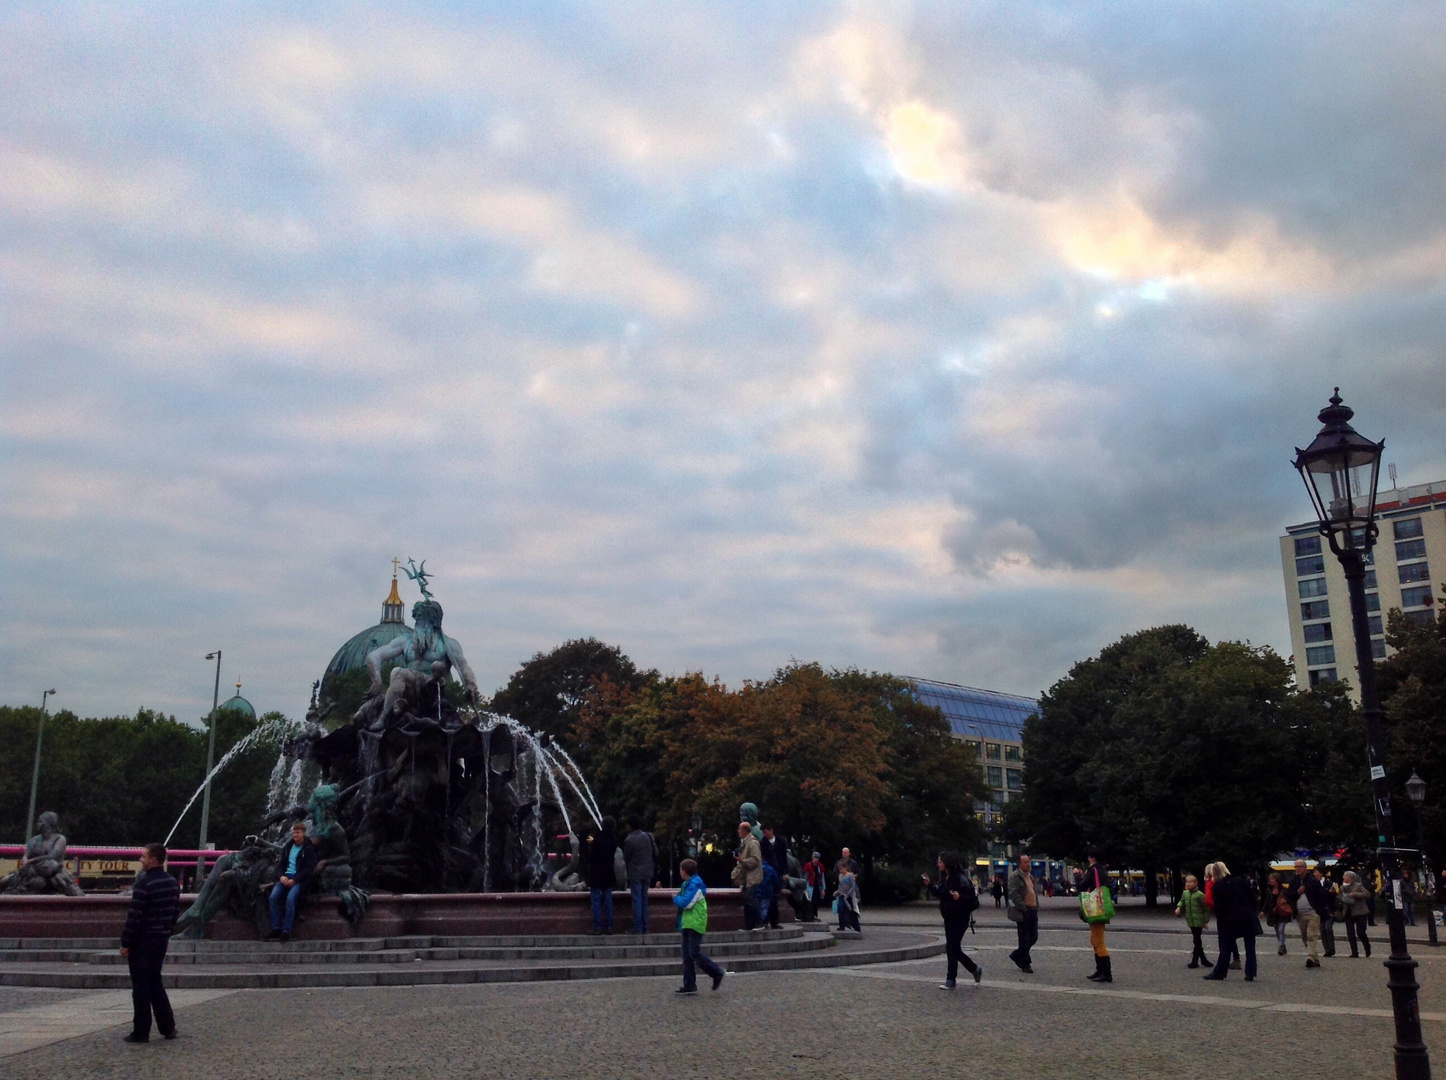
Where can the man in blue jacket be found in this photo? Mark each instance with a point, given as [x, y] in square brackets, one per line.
[154, 902]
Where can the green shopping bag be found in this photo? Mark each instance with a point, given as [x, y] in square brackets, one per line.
[1097, 906]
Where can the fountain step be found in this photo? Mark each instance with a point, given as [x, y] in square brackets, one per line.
[62, 949]
[896, 947]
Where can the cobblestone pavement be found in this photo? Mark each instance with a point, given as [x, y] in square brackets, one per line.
[1158, 1019]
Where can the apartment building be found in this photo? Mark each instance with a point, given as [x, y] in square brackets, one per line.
[1411, 543]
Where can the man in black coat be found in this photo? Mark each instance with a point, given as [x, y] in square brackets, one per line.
[155, 901]
[602, 875]
[775, 854]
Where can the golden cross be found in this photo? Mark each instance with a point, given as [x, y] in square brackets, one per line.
[395, 564]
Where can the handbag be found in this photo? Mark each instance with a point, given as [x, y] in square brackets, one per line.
[1097, 906]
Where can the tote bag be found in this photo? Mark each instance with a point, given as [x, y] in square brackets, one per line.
[1097, 906]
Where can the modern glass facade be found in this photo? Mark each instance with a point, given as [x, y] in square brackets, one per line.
[990, 722]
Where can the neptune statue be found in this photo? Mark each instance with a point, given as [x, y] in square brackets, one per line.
[423, 655]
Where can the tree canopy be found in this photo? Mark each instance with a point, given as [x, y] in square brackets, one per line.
[1166, 750]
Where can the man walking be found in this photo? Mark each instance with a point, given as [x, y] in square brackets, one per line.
[1312, 903]
[1024, 912]
[748, 873]
[775, 854]
[154, 903]
[602, 876]
[640, 853]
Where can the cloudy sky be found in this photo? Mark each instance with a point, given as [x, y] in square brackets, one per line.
[953, 340]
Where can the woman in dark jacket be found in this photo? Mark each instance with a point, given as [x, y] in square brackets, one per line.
[1235, 917]
[957, 901]
[1096, 876]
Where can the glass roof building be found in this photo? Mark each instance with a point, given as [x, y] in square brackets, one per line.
[977, 714]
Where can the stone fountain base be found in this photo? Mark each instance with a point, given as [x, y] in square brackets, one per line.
[389, 915]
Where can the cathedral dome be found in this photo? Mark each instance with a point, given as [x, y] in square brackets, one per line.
[238, 704]
[353, 655]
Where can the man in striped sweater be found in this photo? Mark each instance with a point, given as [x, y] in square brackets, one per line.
[154, 903]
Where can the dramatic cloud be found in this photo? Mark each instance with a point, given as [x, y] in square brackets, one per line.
[952, 340]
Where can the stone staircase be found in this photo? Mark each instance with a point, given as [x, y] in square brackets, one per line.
[95, 963]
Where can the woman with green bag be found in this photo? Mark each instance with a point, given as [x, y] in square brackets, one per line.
[1097, 907]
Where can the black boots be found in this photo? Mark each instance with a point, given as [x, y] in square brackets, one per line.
[1102, 970]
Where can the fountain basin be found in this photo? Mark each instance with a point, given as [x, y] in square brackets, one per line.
[389, 915]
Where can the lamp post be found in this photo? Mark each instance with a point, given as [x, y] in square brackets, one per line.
[210, 756]
[1341, 469]
[1416, 792]
[35, 774]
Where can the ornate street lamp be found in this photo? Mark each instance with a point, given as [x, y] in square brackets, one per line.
[1416, 792]
[1340, 469]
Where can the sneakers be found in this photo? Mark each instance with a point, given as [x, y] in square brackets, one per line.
[686, 990]
[947, 984]
[717, 980]
[1280, 951]
[1193, 964]
[1312, 963]
[978, 975]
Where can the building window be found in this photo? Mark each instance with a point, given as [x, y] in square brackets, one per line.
[992, 751]
[1313, 587]
[1316, 609]
[1405, 529]
[1325, 675]
[1373, 601]
[1013, 753]
[1370, 579]
[1420, 616]
[996, 776]
[1308, 545]
[1016, 779]
[1374, 622]
[1378, 647]
[973, 746]
[1324, 654]
[1410, 549]
[1312, 564]
[1416, 571]
[1416, 596]
[1318, 632]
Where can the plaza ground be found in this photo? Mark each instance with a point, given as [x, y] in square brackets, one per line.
[1158, 1019]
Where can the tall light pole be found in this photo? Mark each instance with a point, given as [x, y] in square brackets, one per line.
[1416, 792]
[210, 750]
[1341, 469]
[35, 775]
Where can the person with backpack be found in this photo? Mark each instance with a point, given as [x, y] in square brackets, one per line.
[958, 900]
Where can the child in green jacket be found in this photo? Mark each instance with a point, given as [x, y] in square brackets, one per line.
[1197, 917]
[692, 905]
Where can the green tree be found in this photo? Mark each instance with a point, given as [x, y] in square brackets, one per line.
[548, 692]
[1412, 684]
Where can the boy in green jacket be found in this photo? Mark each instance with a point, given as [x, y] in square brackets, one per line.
[1197, 917]
[692, 903]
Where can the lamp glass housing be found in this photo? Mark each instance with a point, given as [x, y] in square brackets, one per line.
[1341, 469]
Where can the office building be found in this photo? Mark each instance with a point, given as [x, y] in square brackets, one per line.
[1411, 543]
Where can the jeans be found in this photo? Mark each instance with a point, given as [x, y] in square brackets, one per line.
[848, 918]
[1328, 935]
[750, 907]
[954, 928]
[1281, 929]
[1028, 929]
[639, 889]
[292, 895]
[1227, 946]
[1408, 909]
[1356, 931]
[774, 902]
[693, 954]
[763, 897]
[602, 910]
[148, 994]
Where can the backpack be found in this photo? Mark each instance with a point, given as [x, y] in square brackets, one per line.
[968, 894]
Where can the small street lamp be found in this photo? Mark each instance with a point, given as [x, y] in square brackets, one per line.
[1416, 792]
[1340, 469]
[210, 760]
[35, 775]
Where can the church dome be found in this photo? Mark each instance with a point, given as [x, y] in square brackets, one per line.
[353, 655]
[238, 704]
